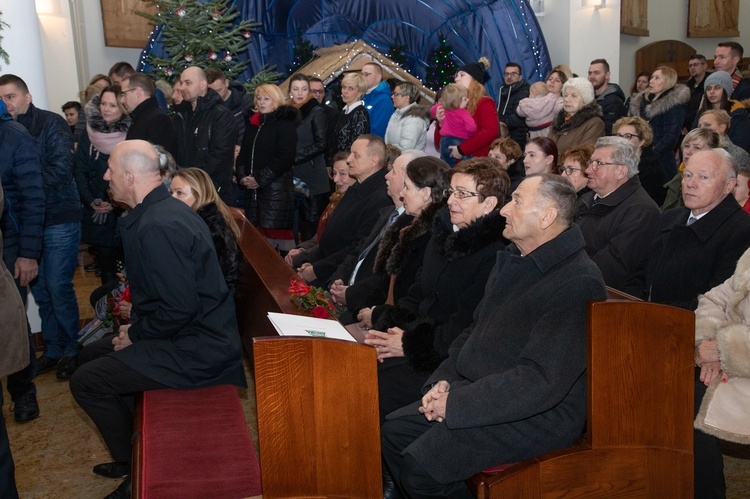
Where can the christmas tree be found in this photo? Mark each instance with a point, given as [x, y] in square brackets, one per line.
[397, 52]
[303, 53]
[442, 66]
[200, 34]
[3, 54]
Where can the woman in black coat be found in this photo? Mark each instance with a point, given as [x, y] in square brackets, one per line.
[662, 104]
[413, 337]
[106, 126]
[310, 164]
[354, 120]
[264, 166]
[638, 132]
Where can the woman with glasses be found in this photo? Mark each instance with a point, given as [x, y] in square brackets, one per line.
[580, 120]
[662, 104]
[573, 168]
[407, 127]
[638, 132]
[412, 337]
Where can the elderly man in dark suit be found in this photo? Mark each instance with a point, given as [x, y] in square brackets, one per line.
[184, 331]
[514, 384]
[696, 248]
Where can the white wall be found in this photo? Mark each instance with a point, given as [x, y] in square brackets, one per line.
[576, 33]
[58, 50]
[22, 43]
[668, 21]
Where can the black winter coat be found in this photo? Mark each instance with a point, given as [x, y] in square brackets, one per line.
[652, 176]
[151, 124]
[267, 155]
[686, 261]
[440, 304]
[350, 223]
[226, 245]
[239, 104]
[346, 130]
[184, 331]
[507, 104]
[206, 138]
[22, 219]
[618, 231]
[310, 163]
[666, 114]
[612, 102]
[518, 375]
[55, 144]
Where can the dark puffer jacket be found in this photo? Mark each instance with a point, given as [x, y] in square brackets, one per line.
[267, 155]
[21, 176]
[55, 145]
[224, 242]
[666, 115]
[310, 163]
[206, 138]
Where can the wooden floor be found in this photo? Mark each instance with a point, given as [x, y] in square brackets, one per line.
[54, 454]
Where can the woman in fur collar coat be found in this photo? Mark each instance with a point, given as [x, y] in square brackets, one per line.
[413, 336]
[407, 128]
[722, 339]
[580, 121]
[264, 166]
[106, 126]
[662, 104]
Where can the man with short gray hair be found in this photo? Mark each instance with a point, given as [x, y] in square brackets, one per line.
[617, 217]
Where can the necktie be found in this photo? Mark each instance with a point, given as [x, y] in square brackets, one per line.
[391, 218]
[691, 220]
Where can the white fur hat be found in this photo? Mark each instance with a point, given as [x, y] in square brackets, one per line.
[584, 87]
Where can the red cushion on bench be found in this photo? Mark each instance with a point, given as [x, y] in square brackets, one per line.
[217, 459]
[498, 468]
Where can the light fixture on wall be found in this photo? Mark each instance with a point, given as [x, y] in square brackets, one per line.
[599, 4]
[538, 7]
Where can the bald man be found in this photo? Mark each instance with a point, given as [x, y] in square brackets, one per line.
[206, 131]
[183, 332]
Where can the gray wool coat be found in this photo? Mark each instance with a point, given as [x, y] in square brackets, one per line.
[518, 374]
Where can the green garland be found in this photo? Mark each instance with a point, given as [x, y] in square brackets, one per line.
[3, 54]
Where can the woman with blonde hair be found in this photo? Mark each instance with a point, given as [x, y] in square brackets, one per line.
[195, 188]
[264, 166]
[662, 105]
[354, 120]
[638, 132]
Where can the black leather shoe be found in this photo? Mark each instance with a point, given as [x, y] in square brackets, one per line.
[25, 408]
[123, 491]
[91, 267]
[116, 469]
[66, 368]
[45, 364]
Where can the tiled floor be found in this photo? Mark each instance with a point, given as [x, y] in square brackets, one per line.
[54, 454]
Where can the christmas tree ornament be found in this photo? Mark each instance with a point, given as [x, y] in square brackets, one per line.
[247, 34]
[228, 57]
[181, 12]
[212, 55]
[216, 15]
[189, 57]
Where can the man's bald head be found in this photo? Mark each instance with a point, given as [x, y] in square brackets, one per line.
[193, 84]
[133, 171]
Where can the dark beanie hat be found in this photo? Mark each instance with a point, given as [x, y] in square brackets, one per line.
[477, 70]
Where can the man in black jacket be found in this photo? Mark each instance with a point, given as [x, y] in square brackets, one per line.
[234, 96]
[511, 93]
[53, 288]
[149, 121]
[609, 95]
[206, 131]
[184, 331]
[697, 67]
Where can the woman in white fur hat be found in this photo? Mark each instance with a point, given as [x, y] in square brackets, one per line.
[579, 122]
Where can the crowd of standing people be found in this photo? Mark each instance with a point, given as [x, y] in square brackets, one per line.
[527, 208]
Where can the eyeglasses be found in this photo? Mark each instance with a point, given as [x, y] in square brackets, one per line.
[316, 92]
[513, 73]
[123, 92]
[402, 94]
[627, 136]
[595, 164]
[459, 193]
[568, 170]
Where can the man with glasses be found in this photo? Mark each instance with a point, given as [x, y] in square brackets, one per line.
[513, 90]
[149, 121]
[617, 217]
[697, 67]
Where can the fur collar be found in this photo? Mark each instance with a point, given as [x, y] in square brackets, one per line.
[590, 110]
[417, 111]
[677, 96]
[484, 231]
[286, 113]
[397, 243]
[226, 246]
[96, 122]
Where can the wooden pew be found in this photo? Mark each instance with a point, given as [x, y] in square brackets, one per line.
[639, 436]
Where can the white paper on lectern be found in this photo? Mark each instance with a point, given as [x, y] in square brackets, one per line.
[300, 325]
